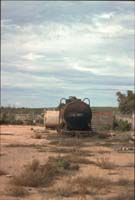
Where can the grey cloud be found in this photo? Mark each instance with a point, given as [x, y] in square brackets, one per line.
[27, 11]
[47, 39]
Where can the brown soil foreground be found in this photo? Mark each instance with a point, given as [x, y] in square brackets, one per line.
[42, 166]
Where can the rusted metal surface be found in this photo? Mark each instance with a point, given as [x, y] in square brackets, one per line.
[75, 115]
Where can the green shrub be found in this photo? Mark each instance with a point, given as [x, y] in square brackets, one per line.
[11, 121]
[16, 122]
[121, 125]
[63, 163]
[106, 127]
[4, 121]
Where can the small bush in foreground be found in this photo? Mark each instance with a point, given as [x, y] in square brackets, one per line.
[81, 186]
[35, 174]
[63, 163]
[121, 125]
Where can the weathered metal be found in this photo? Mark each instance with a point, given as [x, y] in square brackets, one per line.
[75, 115]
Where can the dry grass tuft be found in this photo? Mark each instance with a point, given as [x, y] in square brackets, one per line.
[105, 163]
[82, 186]
[34, 165]
[17, 191]
[69, 189]
[92, 182]
[35, 174]
[66, 189]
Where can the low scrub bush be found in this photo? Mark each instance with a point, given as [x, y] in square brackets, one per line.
[11, 121]
[16, 122]
[105, 127]
[35, 174]
[121, 125]
[81, 186]
[64, 163]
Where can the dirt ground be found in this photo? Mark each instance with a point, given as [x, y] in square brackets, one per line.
[105, 159]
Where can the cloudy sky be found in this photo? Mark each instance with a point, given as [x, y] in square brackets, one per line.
[66, 48]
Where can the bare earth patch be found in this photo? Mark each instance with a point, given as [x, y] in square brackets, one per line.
[44, 166]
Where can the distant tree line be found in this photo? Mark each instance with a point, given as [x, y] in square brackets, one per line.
[8, 115]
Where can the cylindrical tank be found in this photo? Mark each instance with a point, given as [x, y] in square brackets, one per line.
[51, 119]
[77, 115]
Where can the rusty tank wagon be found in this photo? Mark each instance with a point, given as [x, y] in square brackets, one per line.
[72, 116]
